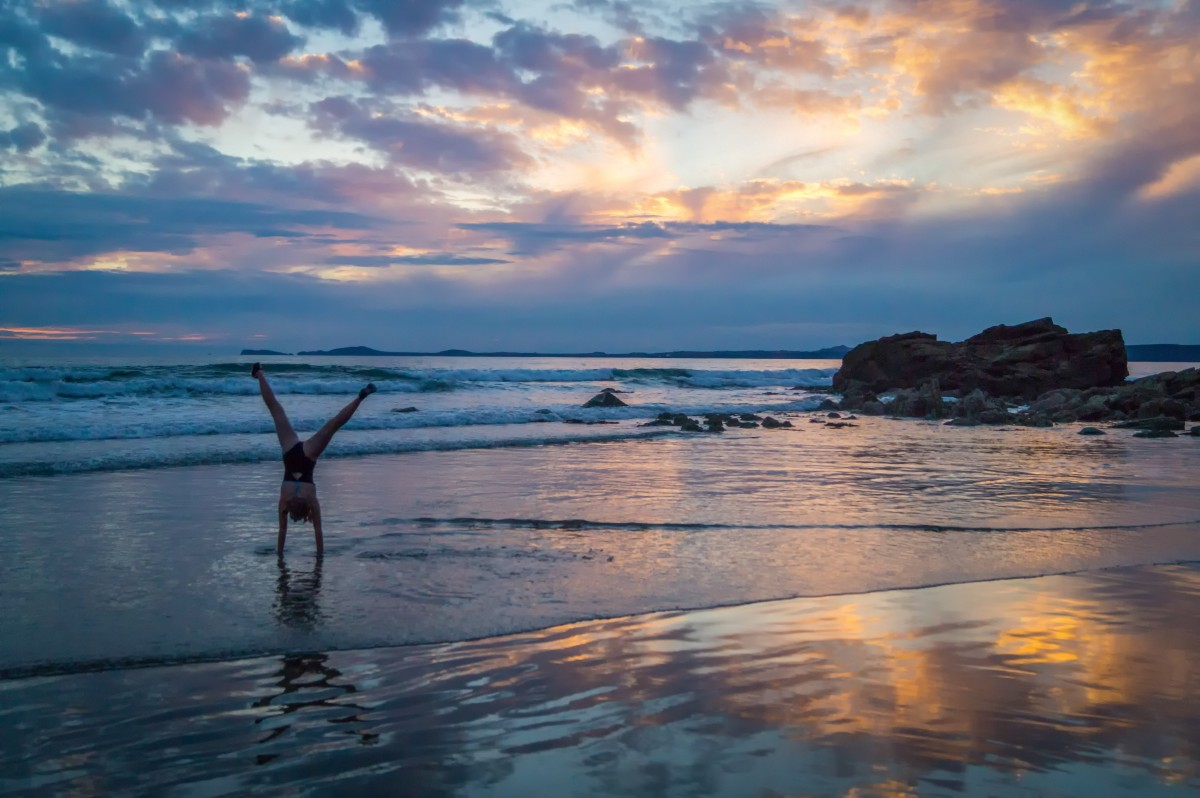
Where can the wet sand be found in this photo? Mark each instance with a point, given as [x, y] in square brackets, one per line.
[1085, 684]
[174, 565]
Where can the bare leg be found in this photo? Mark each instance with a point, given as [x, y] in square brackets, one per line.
[321, 438]
[283, 428]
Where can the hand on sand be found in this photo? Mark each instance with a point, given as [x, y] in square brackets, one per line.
[367, 391]
[255, 370]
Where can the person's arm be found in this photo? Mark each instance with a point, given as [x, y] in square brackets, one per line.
[283, 519]
[315, 517]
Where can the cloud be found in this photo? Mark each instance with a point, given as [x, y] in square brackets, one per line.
[258, 38]
[93, 24]
[423, 259]
[54, 226]
[419, 143]
[407, 18]
[169, 87]
[336, 15]
[528, 238]
[22, 138]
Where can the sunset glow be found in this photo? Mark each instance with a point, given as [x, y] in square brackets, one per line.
[395, 165]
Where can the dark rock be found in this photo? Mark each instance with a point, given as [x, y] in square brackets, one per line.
[404, 409]
[1035, 421]
[810, 421]
[963, 421]
[605, 398]
[930, 398]
[658, 422]
[995, 417]
[771, 423]
[748, 424]
[1195, 431]
[749, 417]
[827, 404]
[1091, 431]
[690, 426]
[1159, 423]
[1094, 408]
[834, 415]
[873, 409]
[839, 424]
[973, 404]
[1163, 407]
[1025, 360]
[1155, 433]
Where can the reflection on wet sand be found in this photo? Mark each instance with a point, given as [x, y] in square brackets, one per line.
[1061, 685]
[297, 596]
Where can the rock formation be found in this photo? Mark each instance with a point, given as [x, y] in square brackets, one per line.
[1035, 374]
[1024, 360]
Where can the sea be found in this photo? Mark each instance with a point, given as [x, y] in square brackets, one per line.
[521, 595]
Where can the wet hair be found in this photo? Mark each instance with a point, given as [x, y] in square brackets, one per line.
[299, 508]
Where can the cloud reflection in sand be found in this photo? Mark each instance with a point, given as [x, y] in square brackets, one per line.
[1050, 685]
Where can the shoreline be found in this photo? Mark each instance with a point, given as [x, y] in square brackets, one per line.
[1001, 686]
[56, 670]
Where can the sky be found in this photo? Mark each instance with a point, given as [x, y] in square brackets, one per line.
[591, 175]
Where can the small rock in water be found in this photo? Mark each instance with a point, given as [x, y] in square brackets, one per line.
[1155, 433]
[1195, 431]
[1091, 431]
[605, 398]
[404, 409]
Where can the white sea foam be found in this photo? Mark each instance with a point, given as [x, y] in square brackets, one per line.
[33, 384]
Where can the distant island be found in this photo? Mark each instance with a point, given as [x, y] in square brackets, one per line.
[1152, 353]
[829, 353]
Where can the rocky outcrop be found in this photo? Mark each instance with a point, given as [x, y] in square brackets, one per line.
[1034, 374]
[1023, 360]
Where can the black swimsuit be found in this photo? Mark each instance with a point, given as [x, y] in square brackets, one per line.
[297, 466]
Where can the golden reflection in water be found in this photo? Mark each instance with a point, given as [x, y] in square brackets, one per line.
[1041, 673]
[1063, 685]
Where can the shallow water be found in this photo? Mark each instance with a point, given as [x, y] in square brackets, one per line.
[169, 565]
[1055, 686]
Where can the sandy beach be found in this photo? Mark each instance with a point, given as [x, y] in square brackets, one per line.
[1055, 686]
[872, 607]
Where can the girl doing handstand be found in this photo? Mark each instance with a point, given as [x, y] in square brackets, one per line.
[298, 493]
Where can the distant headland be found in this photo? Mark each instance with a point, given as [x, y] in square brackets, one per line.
[1151, 353]
[829, 353]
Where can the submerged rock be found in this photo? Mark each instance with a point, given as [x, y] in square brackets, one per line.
[1091, 431]
[1155, 433]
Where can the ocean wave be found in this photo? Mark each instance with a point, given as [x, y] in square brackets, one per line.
[104, 425]
[121, 459]
[42, 384]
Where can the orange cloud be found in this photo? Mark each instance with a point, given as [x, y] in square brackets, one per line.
[65, 333]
